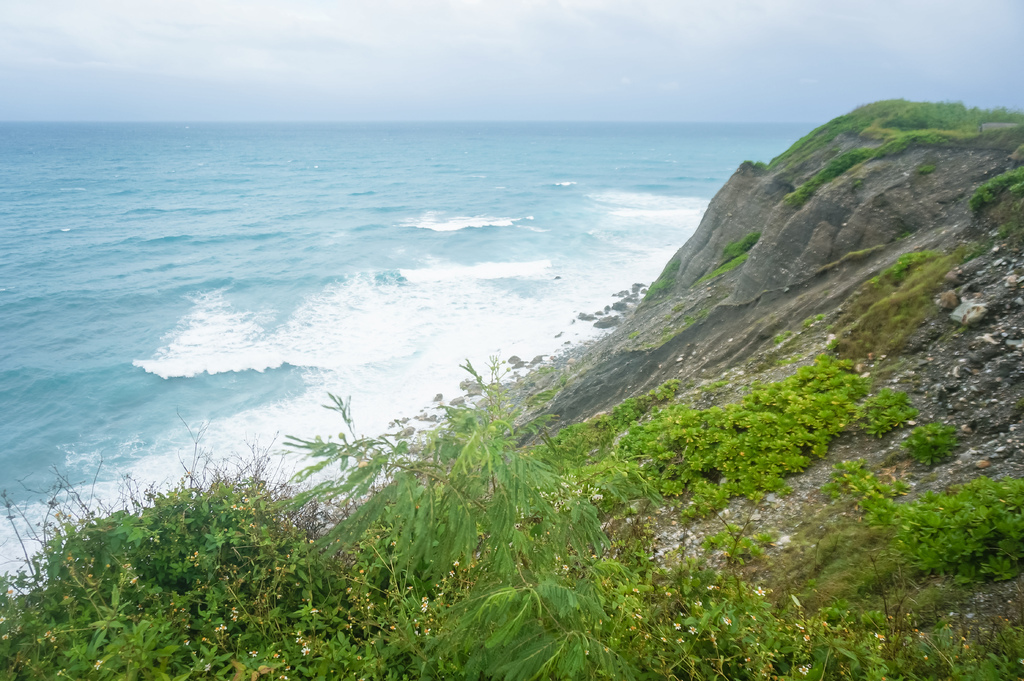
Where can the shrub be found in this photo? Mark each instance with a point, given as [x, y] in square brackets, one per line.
[986, 194]
[887, 410]
[772, 432]
[975, 533]
[931, 442]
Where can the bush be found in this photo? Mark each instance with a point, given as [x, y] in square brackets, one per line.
[975, 533]
[931, 442]
[773, 432]
[986, 194]
[887, 410]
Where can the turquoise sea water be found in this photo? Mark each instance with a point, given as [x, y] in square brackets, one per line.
[231, 275]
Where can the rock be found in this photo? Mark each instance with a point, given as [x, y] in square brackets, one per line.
[439, 397]
[620, 306]
[953, 277]
[948, 300]
[514, 359]
[1011, 281]
[571, 361]
[637, 287]
[584, 317]
[458, 401]
[621, 294]
[607, 322]
[537, 360]
[471, 387]
[969, 314]
[1018, 301]
[607, 308]
[784, 539]
[406, 433]
[1014, 343]
[984, 463]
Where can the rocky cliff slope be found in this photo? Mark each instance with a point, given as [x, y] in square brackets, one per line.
[811, 252]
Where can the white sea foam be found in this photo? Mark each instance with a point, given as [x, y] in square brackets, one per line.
[484, 270]
[65, 229]
[433, 220]
[214, 338]
[564, 184]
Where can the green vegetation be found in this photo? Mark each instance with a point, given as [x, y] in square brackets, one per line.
[898, 124]
[894, 115]
[807, 323]
[737, 248]
[782, 337]
[887, 410]
[753, 445]
[722, 269]
[474, 558]
[890, 307]
[926, 169]
[758, 165]
[664, 282]
[834, 169]
[975, 532]
[733, 255]
[986, 194]
[931, 442]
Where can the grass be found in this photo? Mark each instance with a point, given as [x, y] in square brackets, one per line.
[897, 115]
[733, 255]
[926, 169]
[898, 124]
[890, 307]
[664, 282]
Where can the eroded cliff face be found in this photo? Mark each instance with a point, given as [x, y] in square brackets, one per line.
[808, 260]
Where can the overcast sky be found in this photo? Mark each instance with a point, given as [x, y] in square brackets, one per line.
[656, 60]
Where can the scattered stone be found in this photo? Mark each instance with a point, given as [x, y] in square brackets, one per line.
[984, 463]
[953, 277]
[471, 387]
[948, 300]
[439, 398]
[620, 306]
[584, 317]
[537, 360]
[969, 314]
[1011, 281]
[783, 540]
[458, 401]
[406, 433]
[607, 322]
[637, 287]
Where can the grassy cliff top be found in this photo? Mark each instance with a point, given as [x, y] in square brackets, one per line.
[890, 118]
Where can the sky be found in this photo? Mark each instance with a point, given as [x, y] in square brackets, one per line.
[586, 60]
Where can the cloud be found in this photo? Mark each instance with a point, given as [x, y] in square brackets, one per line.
[494, 59]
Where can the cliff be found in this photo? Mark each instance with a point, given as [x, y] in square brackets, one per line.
[811, 255]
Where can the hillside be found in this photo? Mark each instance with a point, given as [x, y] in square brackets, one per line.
[799, 456]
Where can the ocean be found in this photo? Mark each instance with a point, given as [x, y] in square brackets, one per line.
[159, 280]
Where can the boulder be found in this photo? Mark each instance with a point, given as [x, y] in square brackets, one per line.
[969, 314]
[607, 322]
[948, 300]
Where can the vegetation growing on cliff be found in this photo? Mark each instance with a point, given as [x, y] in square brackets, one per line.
[896, 115]
[898, 124]
[478, 559]
[734, 254]
[892, 305]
